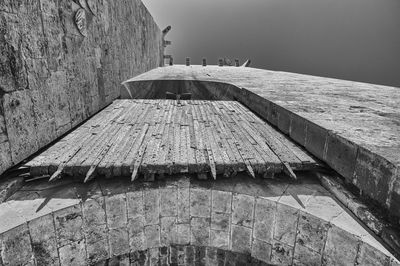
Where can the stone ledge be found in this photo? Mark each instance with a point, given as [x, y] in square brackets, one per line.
[296, 104]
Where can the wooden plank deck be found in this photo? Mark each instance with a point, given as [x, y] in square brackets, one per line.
[132, 137]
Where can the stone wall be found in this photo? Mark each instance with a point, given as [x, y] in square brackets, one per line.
[52, 77]
[106, 218]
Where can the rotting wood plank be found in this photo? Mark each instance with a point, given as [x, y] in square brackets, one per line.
[133, 137]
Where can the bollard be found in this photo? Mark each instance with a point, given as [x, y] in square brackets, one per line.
[236, 62]
[187, 61]
[220, 62]
[204, 62]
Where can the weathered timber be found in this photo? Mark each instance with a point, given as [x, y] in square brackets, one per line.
[158, 137]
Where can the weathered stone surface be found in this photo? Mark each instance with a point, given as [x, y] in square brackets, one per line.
[136, 233]
[242, 210]
[285, 224]
[44, 242]
[152, 206]
[369, 256]
[219, 239]
[73, 253]
[264, 219]
[168, 230]
[200, 202]
[312, 232]
[168, 201]
[221, 201]
[116, 211]
[58, 76]
[340, 248]
[305, 256]
[240, 239]
[183, 205]
[119, 241]
[152, 234]
[184, 234]
[261, 250]
[68, 223]
[200, 231]
[220, 221]
[281, 254]
[16, 246]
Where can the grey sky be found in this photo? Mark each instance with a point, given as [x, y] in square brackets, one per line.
[347, 39]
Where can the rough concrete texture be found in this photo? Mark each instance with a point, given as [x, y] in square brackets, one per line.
[354, 127]
[52, 77]
[274, 222]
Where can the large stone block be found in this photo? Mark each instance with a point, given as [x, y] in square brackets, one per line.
[286, 219]
[219, 239]
[221, 201]
[168, 202]
[73, 253]
[183, 205]
[21, 126]
[116, 211]
[119, 241]
[44, 242]
[298, 129]
[200, 202]
[316, 140]
[240, 239]
[264, 218]
[152, 206]
[200, 231]
[261, 250]
[281, 254]
[341, 155]
[242, 210]
[369, 256]
[305, 256]
[16, 246]
[312, 232]
[373, 174]
[69, 225]
[340, 248]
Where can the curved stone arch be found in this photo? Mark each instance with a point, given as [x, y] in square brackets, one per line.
[151, 216]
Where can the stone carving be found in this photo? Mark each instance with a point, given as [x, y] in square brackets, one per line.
[81, 21]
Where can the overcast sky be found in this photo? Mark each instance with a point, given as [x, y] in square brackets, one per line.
[348, 39]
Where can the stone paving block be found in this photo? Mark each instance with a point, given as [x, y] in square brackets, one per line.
[44, 242]
[154, 256]
[242, 210]
[136, 233]
[97, 251]
[369, 256]
[189, 255]
[219, 239]
[340, 248]
[341, 155]
[316, 140]
[264, 219]
[199, 255]
[116, 210]
[304, 256]
[200, 231]
[137, 258]
[183, 237]
[286, 219]
[152, 236]
[200, 202]
[68, 223]
[240, 239]
[261, 250]
[181, 255]
[168, 231]
[134, 202]
[312, 232]
[16, 246]
[119, 241]
[73, 253]
[152, 206]
[220, 221]
[168, 202]
[94, 212]
[183, 205]
[281, 254]
[221, 201]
